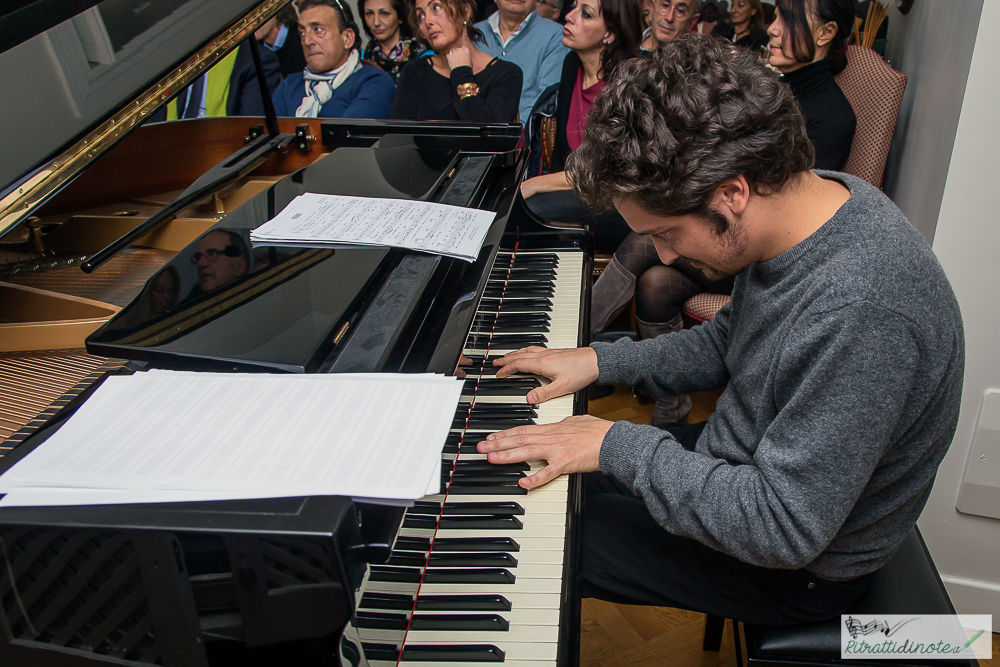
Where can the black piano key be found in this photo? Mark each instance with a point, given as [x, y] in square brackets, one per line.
[513, 409]
[396, 601]
[405, 575]
[470, 544]
[532, 304]
[487, 466]
[462, 522]
[474, 576]
[457, 509]
[384, 652]
[469, 575]
[460, 622]
[463, 603]
[416, 544]
[452, 653]
[449, 559]
[519, 291]
[451, 444]
[380, 620]
[493, 423]
[507, 341]
[513, 387]
[486, 489]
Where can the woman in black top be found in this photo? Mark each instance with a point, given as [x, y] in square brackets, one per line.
[460, 82]
[391, 44]
[745, 26]
[807, 45]
[601, 34]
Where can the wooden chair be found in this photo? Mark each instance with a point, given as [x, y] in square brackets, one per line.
[875, 92]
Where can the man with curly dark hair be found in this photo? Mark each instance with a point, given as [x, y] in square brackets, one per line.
[841, 357]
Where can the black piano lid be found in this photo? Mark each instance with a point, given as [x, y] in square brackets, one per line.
[65, 81]
[284, 313]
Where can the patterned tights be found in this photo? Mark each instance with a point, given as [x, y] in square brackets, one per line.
[661, 290]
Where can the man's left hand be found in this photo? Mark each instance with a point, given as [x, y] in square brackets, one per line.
[572, 445]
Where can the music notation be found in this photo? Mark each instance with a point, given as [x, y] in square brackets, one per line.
[316, 220]
[165, 436]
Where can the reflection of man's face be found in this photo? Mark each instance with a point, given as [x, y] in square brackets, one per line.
[164, 292]
[215, 268]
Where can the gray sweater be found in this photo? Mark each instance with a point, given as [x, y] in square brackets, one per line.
[842, 363]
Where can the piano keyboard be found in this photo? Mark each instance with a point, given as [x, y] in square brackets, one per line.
[492, 589]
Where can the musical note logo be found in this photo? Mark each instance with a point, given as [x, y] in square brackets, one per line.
[856, 628]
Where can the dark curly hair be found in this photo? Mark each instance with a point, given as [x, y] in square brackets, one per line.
[398, 6]
[668, 129]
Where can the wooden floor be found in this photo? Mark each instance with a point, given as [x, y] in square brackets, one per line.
[613, 635]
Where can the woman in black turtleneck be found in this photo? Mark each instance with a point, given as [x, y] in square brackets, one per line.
[807, 46]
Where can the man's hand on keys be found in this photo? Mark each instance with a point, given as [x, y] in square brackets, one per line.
[569, 370]
[572, 445]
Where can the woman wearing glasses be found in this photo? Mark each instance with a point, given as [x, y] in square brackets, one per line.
[460, 82]
[601, 34]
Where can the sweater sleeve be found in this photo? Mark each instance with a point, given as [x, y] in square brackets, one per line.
[280, 97]
[843, 378]
[497, 105]
[374, 98]
[404, 103]
[671, 364]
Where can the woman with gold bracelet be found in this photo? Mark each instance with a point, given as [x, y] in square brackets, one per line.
[460, 82]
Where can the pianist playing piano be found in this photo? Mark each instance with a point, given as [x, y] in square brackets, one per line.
[841, 355]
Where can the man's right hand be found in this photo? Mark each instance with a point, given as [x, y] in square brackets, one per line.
[569, 370]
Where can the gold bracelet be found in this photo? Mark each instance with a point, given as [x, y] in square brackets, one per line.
[467, 89]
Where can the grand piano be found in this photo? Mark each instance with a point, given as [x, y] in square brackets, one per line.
[481, 573]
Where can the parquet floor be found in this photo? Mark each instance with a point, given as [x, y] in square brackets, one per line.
[620, 635]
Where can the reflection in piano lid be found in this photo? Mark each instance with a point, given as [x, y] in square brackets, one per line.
[245, 577]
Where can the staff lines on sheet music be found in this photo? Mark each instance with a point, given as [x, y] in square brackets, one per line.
[458, 455]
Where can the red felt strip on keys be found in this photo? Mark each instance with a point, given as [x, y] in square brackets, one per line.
[454, 465]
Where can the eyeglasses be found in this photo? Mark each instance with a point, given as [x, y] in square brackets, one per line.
[553, 5]
[212, 254]
[680, 9]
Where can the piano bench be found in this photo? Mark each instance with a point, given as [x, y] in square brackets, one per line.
[907, 584]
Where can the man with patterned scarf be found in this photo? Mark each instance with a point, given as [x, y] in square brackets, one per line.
[335, 83]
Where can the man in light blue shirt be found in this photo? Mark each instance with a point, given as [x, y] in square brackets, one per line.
[516, 33]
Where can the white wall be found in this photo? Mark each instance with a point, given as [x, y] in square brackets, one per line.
[932, 44]
[966, 548]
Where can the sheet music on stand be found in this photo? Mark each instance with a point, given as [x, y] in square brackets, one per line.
[316, 221]
[164, 436]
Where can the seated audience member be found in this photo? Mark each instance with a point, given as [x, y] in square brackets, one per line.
[158, 297]
[659, 290]
[460, 82]
[669, 19]
[335, 83]
[221, 258]
[841, 358]
[807, 46]
[390, 44]
[601, 34]
[549, 9]
[518, 34]
[229, 88]
[708, 18]
[745, 25]
[280, 34]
